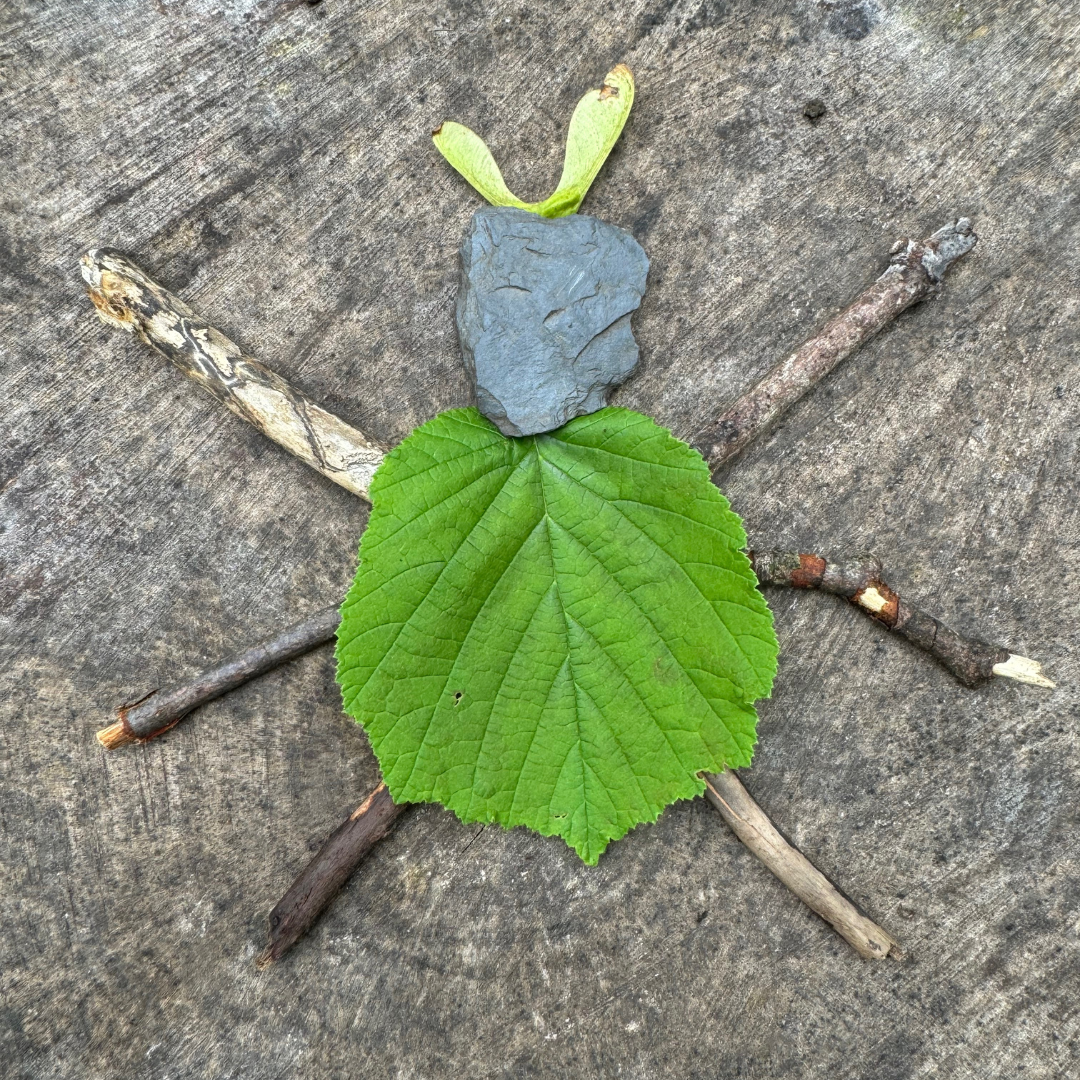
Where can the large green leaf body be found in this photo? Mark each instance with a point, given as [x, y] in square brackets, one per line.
[559, 631]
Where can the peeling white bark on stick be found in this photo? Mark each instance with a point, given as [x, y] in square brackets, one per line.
[126, 298]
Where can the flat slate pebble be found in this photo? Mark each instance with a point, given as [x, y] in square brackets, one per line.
[544, 315]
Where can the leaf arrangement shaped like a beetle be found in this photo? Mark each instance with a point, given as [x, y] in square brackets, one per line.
[559, 631]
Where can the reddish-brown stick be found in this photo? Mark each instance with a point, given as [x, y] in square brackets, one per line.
[321, 880]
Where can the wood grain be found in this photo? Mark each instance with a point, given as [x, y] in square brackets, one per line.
[273, 165]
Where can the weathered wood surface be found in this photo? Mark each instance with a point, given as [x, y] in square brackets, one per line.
[271, 163]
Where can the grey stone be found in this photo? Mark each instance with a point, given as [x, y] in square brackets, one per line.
[543, 314]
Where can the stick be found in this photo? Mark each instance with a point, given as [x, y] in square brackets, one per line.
[321, 880]
[810, 885]
[125, 297]
[157, 712]
[915, 273]
[858, 579]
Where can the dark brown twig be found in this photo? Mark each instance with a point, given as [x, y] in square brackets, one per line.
[157, 712]
[321, 880]
[794, 869]
[858, 579]
[915, 273]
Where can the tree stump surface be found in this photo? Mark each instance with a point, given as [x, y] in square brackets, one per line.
[271, 163]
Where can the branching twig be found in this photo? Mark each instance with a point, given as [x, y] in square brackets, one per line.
[915, 273]
[859, 580]
[810, 885]
[125, 297]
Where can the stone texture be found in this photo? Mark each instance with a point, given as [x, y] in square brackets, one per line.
[272, 164]
[543, 315]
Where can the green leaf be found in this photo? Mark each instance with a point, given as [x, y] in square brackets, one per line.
[594, 129]
[595, 126]
[559, 631]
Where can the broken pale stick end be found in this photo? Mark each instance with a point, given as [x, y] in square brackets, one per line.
[110, 280]
[1023, 669]
[874, 944]
[938, 251]
[947, 245]
[116, 735]
[265, 959]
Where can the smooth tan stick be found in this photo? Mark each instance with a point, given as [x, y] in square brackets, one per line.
[794, 869]
[127, 298]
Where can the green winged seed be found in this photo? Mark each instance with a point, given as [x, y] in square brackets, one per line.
[595, 127]
[558, 631]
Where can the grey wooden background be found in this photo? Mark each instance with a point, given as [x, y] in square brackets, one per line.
[271, 163]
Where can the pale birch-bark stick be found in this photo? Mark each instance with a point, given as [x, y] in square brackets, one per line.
[915, 273]
[795, 870]
[126, 298]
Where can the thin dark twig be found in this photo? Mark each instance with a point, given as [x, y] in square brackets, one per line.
[859, 579]
[915, 273]
[157, 712]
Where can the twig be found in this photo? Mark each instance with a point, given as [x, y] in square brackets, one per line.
[858, 579]
[810, 885]
[915, 273]
[125, 297]
[158, 712]
[321, 880]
